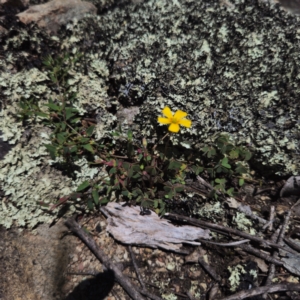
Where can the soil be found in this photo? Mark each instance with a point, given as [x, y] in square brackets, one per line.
[50, 263]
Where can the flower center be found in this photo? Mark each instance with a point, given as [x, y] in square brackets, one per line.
[174, 120]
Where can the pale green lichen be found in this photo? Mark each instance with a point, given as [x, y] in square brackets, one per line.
[211, 210]
[243, 223]
[235, 276]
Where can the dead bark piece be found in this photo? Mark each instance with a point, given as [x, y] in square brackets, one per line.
[128, 226]
[265, 289]
[104, 259]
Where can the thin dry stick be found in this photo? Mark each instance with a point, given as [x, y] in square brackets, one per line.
[104, 259]
[149, 295]
[265, 289]
[272, 268]
[209, 269]
[231, 244]
[136, 268]
[275, 253]
[272, 215]
[292, 244]
[260, 254]
[200, 223]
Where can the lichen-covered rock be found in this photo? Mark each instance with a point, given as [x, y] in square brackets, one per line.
[232, 68]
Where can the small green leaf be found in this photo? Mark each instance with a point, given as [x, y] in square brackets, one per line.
[95, 195]
[53, 106]
[174, 165]
[125, 193]
[41, 114]
[61, 137]
[230, 192]
[234, 154]
[225, 163]
[52, 150]
[90, 130]
[83, 186]
[136, 168]
[112, 171]
[179, 189]
[104, 200]
[53, 78]
[247, 155]
[241, 181]
[90, 204]
[150, 170]
[126, 165]
[209, 151]
[197, 169]
[130, 173]
[88, 147]
[241, 169]
[137, 175]
[84, 140]
[74, 149]
[70, 112]
[129, 135]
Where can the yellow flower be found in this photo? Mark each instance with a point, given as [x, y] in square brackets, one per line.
[174, 120]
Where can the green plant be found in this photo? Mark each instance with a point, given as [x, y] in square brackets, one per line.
[224, 160]
[137, 172]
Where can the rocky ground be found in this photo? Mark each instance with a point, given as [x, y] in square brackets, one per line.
[49, 262]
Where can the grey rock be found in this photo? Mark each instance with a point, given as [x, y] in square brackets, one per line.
[55, 13]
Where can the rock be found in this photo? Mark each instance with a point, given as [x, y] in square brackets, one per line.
[55, 13]
[33, 265]
[291, 187]
[291, 5]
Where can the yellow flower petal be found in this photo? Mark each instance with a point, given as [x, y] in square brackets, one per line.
[185, 123]
[167, 112]
[180, 114]
[163, 120]
[174, 127]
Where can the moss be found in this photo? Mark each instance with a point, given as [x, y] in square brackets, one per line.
[232, 70]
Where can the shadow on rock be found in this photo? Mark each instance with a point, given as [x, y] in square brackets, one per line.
[94, 288]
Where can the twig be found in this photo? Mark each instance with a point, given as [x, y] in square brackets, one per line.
[265, 289]
[232, 244]
[292, 244]
[213, 291]
[104, 259]
[209, 269]
[283, 229]
[136, 268]
[205, 183]
[268, 224]
[260, 254]
[272, 215]
[149, 295]
[272, 268]
[200, 223]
